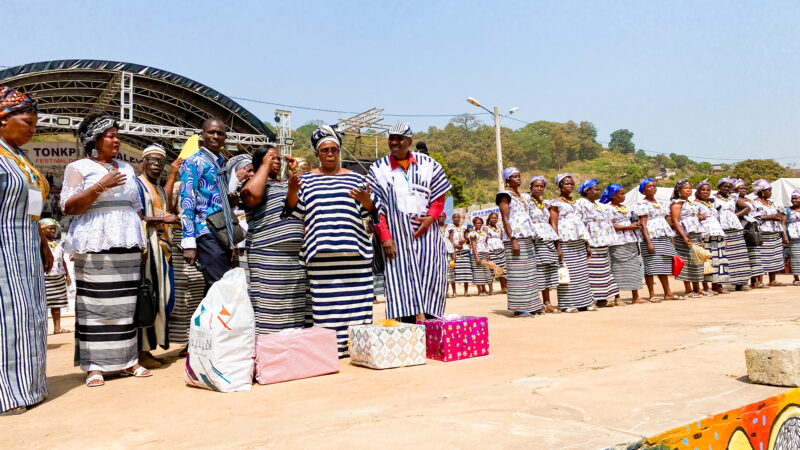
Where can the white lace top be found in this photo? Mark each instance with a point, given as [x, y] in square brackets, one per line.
[622, 217]
[570, 222]
[113, 220]
[656, 213]
[727, 213]
[541, 222]
[711, 224]
[57, 249]
[689, 220]
[495, 237]
[480, 237]
[769, 226]
[793, 224]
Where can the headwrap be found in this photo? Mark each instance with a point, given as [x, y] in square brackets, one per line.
[48, 221]
[586, 184]
[761, 185]
[237, 163]
[610, 191]
[97, 127]
[725, 180]
[643, 184]
[324, 134]
[401, 129]
[697, 186]
[154, 149]
[795, 193]
[738, 182]
[508, 171]
[12, 101]
[538, 177]
[560, 177]
[676, 193]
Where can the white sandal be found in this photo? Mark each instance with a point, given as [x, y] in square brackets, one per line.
[138, 373]
[95, 377]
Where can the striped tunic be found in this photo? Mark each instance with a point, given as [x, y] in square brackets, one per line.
[278, 285]
[337, 251]
[189, 291]
[23, 317]
[416, 279]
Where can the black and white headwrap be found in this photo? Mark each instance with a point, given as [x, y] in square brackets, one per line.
[676, 193]
[401, 129]
[96, 128]
[325, 133]
[236, 163]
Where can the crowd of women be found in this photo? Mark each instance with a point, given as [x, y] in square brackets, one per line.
[590, 247]
[320, 244]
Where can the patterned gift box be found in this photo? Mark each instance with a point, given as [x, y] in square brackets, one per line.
[455, 337]
[387, 345]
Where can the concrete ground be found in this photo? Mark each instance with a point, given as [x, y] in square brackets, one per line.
[566, 381]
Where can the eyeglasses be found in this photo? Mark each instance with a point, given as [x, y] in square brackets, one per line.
[154, 160]
[328, 151]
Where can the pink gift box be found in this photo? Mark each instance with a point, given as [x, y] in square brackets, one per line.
[301, 353]
[457, 338]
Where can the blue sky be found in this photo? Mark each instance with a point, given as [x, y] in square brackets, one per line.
[710, 79]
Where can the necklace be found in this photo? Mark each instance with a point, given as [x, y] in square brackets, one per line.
[108, 166]
[519, 197]
[566, 200]
[654, 202]
[539, 203]
[704, 202]
[621, 208]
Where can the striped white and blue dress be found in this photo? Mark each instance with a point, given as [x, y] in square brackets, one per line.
[416, 279]
[337, 251]
[626, 262]
[279, 288]
[23, 317]
[574, 237]
[598, 220]
[735, 247]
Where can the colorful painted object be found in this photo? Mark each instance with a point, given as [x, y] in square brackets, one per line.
[451, 338]
[771, 424]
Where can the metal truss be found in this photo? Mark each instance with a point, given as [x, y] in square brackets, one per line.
[283, 124]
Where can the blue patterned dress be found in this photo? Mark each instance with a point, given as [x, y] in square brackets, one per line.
[23, 317]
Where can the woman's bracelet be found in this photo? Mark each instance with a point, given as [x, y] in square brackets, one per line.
[101, 186]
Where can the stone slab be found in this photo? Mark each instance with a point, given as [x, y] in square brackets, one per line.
[774, 362]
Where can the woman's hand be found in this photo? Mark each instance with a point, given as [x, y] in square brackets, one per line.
[423, 227]
[651, 248]
[389, 249]
[701, 217]
[687, 241]
[113, 179]
[477, 259]
[171, 219]
[294, 183]
[588, 251]
[291, 163]
[515, 247]
[362, 196]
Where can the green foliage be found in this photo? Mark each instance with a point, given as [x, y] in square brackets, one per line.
[750, 170]
[621, 141]
[704, 167]
[460, 197]
[680, 160]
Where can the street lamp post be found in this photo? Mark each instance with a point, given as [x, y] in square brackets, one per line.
[496, 113]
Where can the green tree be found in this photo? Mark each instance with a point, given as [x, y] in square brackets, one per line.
[460, 197]
[704, 168]
[621, 141]
[750, 170]
[680, 160]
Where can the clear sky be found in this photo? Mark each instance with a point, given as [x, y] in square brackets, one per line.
[709, 79]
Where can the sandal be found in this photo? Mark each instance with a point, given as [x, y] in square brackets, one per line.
[620, 303]
[695, 295]
[761, 286]
[592, 308]
[674, 297]
[14, 411]
[796, 283]
[61, 331]
[707, 294]
[776, 284]
[95, 380]
[570, 310]
[641, 301]
[551, 309]
[742, 288]
[138, 373]
[522, 314]
[604, 304]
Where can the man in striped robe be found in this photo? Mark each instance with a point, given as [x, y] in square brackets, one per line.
[412, 188]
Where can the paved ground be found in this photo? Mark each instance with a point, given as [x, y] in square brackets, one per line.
[584, 380]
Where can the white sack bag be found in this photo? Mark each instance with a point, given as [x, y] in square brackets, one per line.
[222, 337]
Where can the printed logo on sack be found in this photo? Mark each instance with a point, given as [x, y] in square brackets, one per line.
[197, 319]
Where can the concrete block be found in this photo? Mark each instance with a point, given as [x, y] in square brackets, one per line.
[774, 362]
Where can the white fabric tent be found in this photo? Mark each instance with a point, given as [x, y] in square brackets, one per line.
[633, 196]
[782, 190]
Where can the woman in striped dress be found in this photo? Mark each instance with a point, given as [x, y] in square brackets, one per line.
[497, 251]
[57, 279]
[336, 250]
[713, 240]
[751, 223]
[686, 219]
[597, 218]
[523, 291]
[24, 251]
[463, 266]
[735, 247]
[793, 230]
[106, 238]
[566, 220]
[626, 264]
[278, 285]
[546, 243]
[771, 252]
[444, 229]
[656, 244]
[481, 275]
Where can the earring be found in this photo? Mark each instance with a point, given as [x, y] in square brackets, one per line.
[94, 153]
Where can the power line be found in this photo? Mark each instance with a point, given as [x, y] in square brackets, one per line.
[309, 108]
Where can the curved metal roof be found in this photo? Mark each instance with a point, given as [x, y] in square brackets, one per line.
[78, 87]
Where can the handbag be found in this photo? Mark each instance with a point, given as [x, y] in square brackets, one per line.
[752, 235]
[146, 305]
[677, 265]
[216, 223]
[563, 274]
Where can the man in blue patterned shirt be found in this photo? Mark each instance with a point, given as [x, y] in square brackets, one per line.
[204, 192]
